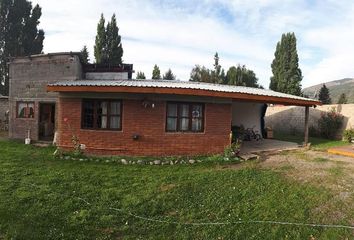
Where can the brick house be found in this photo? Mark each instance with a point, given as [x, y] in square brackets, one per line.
[112, 114]
[33, 110]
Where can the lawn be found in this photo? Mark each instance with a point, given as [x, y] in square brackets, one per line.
[46, 198]
[319, 144]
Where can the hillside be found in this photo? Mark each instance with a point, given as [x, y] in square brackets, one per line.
[336, 88]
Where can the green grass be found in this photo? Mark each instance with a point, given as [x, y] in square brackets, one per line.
[320, 144]
[46, 198]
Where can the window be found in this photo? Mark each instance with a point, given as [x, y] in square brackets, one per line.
[185, 117]
[102, 114]
[25, 109]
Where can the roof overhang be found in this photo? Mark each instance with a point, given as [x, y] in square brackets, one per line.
[182, 91]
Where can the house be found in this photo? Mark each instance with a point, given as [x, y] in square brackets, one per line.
[112, 114]
[33, 110]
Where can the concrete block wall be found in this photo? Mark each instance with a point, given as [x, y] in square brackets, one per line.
[28, 80]
[291, 119]
[4, 106]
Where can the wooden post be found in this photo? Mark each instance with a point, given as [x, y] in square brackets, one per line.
[307, 113]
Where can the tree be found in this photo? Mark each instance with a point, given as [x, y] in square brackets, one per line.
[19, 34]
[241, 76]
[343, 99]
[324, 95]
[200, 74]
[169, 75]
[287, 75]
[156, 74]
[100, 42]
[84, 55]
[108, 46]
[114, 45]
[140, 75]
[218, 75]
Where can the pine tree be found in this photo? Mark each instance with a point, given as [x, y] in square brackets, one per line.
[19, 34]
[169, 75]
[343, 99]
[84, 55]
[100, 48]
[324, 95]
[156, 74]
[140, 75]
[287, 75]
[114, 45]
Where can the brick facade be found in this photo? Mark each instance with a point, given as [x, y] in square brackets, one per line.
[4, 106]
[149, 123]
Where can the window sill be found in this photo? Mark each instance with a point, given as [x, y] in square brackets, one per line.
[185, 133]
[101, 130]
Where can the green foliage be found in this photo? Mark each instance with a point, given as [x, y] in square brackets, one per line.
[140, 75]
[233, 150]
[342, 99]
[329, 124]
[169, 75]
[287, 75]
[19, 34]
[241, 76]
[44, 198]
[324, 95]
[156, 73]
[100, 42]
[84, 55]
[348, 135]
[108, 47]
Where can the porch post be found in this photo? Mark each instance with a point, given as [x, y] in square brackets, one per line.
[307, 113]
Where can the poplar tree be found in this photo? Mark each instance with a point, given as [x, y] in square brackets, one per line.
[156, 74]
[19, 34]
[100, 47]
[324, 95]
[114, 45]
[287, 75]
[169, 75]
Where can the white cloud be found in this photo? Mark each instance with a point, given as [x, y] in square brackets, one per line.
[184, 33]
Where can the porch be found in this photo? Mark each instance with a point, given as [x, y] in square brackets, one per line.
[266, 145]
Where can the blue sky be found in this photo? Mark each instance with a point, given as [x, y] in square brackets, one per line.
[180, 34]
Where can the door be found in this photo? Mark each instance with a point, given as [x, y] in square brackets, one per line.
[46, 121]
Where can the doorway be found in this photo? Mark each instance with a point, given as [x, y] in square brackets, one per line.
[46, 121]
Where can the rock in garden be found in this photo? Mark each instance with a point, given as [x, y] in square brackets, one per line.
[191, 161]
[157, 162]
[123, 161]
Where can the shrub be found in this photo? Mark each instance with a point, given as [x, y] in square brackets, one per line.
[329, 124]
[233, 150]
[348, 135]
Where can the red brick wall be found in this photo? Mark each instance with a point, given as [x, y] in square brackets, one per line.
[149, 123]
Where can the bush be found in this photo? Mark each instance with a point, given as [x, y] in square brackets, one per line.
[329, 124]
[233, 150]
[348, 135]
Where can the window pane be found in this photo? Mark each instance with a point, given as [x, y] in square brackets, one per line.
[102, 108]
[197, 111]
[184, 124]
[21, 110]
[88, 114]
[115, 108]
[30, 110]
[171, 124]
[172, 110]
[115, 122]
[196, 125]
[184, 110]
[102, 121]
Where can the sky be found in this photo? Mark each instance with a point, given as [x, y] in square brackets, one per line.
[181, 34]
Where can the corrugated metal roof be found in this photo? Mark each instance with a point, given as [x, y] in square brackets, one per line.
[178, 84]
